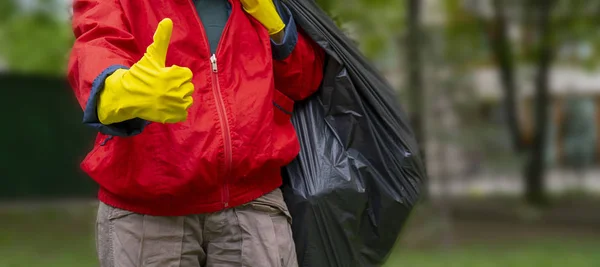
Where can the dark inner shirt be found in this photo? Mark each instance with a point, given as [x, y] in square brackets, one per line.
[214, 15]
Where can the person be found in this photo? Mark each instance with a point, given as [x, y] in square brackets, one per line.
[192, 101]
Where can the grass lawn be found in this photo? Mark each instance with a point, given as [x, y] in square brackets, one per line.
[65, 238]
[532, 254]
[47, 237]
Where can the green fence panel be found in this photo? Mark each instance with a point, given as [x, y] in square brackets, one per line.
[42, 140]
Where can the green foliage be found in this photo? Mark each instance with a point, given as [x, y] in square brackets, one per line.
[376, 23]
[574, 23]
[7, 8]
[34, 41]
[464, 35]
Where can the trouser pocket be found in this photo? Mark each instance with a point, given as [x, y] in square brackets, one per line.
[266, 232]
[127, 239]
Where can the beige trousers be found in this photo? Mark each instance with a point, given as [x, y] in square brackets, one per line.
[257, 234]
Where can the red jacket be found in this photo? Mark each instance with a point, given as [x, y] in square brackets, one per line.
[238, 133]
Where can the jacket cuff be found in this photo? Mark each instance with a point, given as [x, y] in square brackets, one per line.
[282, 50]
[90, 114]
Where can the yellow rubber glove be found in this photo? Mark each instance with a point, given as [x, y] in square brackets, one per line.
[148, 90]
[265, 12]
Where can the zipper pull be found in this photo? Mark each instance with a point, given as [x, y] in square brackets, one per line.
[213, 63]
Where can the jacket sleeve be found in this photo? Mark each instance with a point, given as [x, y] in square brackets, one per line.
[103, 45]
[298, 64]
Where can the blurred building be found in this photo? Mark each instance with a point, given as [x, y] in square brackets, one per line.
[574, 90]
[575, 95]
[574, 138]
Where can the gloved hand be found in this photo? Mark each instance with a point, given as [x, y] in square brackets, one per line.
[265, 12]
[148, 90]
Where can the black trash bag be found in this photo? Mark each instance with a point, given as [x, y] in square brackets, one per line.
[359, 171]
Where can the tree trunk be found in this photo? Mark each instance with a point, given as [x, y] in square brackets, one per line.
[536, 167]
[503, 54]
[415, 78]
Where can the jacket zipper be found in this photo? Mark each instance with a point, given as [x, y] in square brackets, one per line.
[216, 89]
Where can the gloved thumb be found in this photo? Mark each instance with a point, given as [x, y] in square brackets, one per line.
[157, 51]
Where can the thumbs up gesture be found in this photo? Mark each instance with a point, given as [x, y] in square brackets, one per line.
[148, 90]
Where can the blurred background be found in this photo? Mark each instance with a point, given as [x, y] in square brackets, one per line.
[504, 96]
